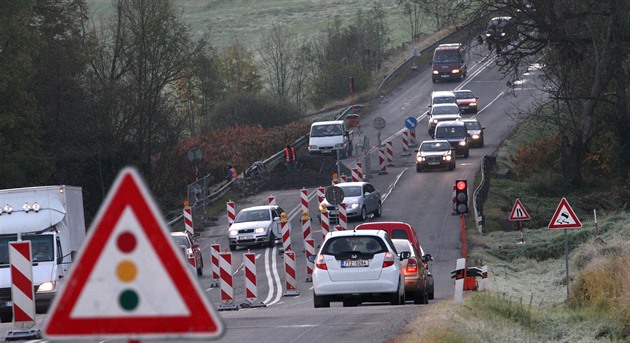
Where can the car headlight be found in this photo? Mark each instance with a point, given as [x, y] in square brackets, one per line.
[488, 35]
[434, 121]
[502, 34]
[47, 286]
[462, 143]
[312, 147]
[420, 158]
[447, 157]
[260, 230]
[475, 137]
[233, 233]
[435, 72]
[353, 206]
[455, 71]
[474, 103]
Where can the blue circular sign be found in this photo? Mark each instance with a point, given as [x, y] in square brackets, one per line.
[411, 123]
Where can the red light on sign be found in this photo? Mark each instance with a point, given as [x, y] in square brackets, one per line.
[461, 185]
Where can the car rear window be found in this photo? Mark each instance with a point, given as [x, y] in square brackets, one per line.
[400, 234]
[450, 132]
[354, 244]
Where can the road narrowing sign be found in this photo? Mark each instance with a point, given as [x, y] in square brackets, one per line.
[564, 218]
[518, 212]
[130, 280]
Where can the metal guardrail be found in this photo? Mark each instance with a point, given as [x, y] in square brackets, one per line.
[481, 192]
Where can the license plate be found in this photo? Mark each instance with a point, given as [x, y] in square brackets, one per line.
[246, 238]
[7, 303]
[328, 151]
[445, 75]
[434, 163]
[354, 263]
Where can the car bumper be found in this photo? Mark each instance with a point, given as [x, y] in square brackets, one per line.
[387, 283]
[435, 165]
[449, 76]
[468, 109]
[249, 240]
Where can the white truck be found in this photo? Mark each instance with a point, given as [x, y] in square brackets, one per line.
[52, 218]
[328, 137]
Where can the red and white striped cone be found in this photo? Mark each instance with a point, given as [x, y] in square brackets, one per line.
[251, 283]
[231, 212]
[188, 219]
[227, 287]
[343, 216]
[22, 292]
[325, 222]
[271, 199]
[355, 175]
[310, 251]
[290, 274]
[390, 152]
[405, 143]
[215, 249]
[285, 228]
[413, 142]
[382, 160]
[360, 170]
[304, 199]
[320, 195]
[344, 178]
[306, 226]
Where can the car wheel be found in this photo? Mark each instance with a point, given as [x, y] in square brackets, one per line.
[395, 299]
[451, 167]
[379, 210]
[466, 154]
[200, 268]
[232, 247]
[320, 301]
[481, 143]
[6, 317]
[418, 169]
[434, 81]
[272, 240]
[363, 215]
[350, 303]
[423, 297]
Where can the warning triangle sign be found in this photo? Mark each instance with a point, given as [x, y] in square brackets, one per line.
[564, 218]
[130, 280]
[518, 212]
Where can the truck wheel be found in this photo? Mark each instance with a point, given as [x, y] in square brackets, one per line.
[232, 247]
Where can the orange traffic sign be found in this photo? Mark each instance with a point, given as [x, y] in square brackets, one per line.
[130, 280]
[564, 218]
[518, 212]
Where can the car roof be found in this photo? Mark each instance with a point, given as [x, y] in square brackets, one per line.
[179, 233]
[349, 233]
[351, 184]
[262, 207]
[387, 225]
[462, 91]
[446, 105]
[464, 120]
[442, 93]
[435, 141]
[451, 123]
[449, 46]
[329, 122]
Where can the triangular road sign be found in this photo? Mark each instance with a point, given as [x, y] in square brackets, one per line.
[564, 218]
[518, 212]
[130, 280]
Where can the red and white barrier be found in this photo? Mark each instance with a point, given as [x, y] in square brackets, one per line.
[344, 178]
[231, 212]
[355, 175]
[215, 249]
[359, 171]
[382, 160]
[405, 143]
[413, 142]
[310, 251]
[285, 228]
[320, 195]
[325, 222]
[342, 216]
[227, 287]
[290, 274]
[251, 282]
[390, 152]
[306, 226]
[304, 199]
[188, 219]
[22, 292]
[271, 200]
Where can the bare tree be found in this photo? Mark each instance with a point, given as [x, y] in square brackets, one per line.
[277, 49]
[411, 11]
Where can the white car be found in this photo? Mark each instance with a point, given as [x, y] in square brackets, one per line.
[361, 198]
[255, 225]
[358, 266]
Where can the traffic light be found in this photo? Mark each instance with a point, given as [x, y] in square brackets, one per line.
[461, 196]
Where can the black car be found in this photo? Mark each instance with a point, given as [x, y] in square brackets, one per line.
[435, 154]
[475, 132]
[500, 32]
[455, 133]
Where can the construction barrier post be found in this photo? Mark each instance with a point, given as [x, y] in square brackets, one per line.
[414, 142]
[231, 212]
[359, 171]
[289, 269]
[215, 249]
[325, 221]
[355, 174]
[286, 232]
[460, 274]
[306, 226]
[304, 199]
[405, 142]
[22, 290]
[390, 153]
[271, 200]
[227, 288]
[310, 251]
[188, 219]
[342, 216]
[382, 161]
[320, 195]
[251, 283]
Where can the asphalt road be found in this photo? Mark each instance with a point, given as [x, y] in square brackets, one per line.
[422, 199]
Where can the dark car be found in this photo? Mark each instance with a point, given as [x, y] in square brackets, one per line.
[466, 100]
[500, 32]
[191, 249]
[442, 112]
[455, 133]
[475, 132]
[435, 154]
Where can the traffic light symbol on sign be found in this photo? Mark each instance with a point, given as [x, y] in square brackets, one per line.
[461, 196]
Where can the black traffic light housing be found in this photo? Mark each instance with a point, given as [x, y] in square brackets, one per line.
[461, 196]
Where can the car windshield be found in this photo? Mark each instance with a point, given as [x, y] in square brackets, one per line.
[446, 56]
[252, 216]
[464, 95]
[434, 146]
[354, 244]
[444, 100]
[450, 132]
[353, 191]
[445, 110]
[472, 125]
[326, 130]
[181, 240]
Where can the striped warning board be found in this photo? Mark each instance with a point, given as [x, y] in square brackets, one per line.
[22, 293]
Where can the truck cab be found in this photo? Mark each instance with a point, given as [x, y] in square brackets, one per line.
[328, 137]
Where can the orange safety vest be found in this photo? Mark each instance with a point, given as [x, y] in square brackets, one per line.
[289, 154]
[234, 174]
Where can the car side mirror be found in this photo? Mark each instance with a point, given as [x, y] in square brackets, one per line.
[312, 258]
[483, 128]
[476, 98]
[405, 255]
[429, 105]
[427, 258]
[275, 219]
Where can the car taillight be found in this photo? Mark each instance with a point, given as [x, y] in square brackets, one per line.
[321, 262]
[426, 265]
[412, 266]
[388, 260]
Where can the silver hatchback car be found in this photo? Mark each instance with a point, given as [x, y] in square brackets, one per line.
[255, 225]
[360, 198]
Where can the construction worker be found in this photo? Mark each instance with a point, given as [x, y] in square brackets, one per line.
[290, 158]
[231, 174]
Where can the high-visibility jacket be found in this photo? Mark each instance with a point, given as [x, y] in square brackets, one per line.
[289, 154]
[233, 173]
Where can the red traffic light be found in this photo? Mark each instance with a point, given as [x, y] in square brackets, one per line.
[461, 185]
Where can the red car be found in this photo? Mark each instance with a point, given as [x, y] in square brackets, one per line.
[192, 249]
[466, 100]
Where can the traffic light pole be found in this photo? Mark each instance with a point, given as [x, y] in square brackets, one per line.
[463, 238]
